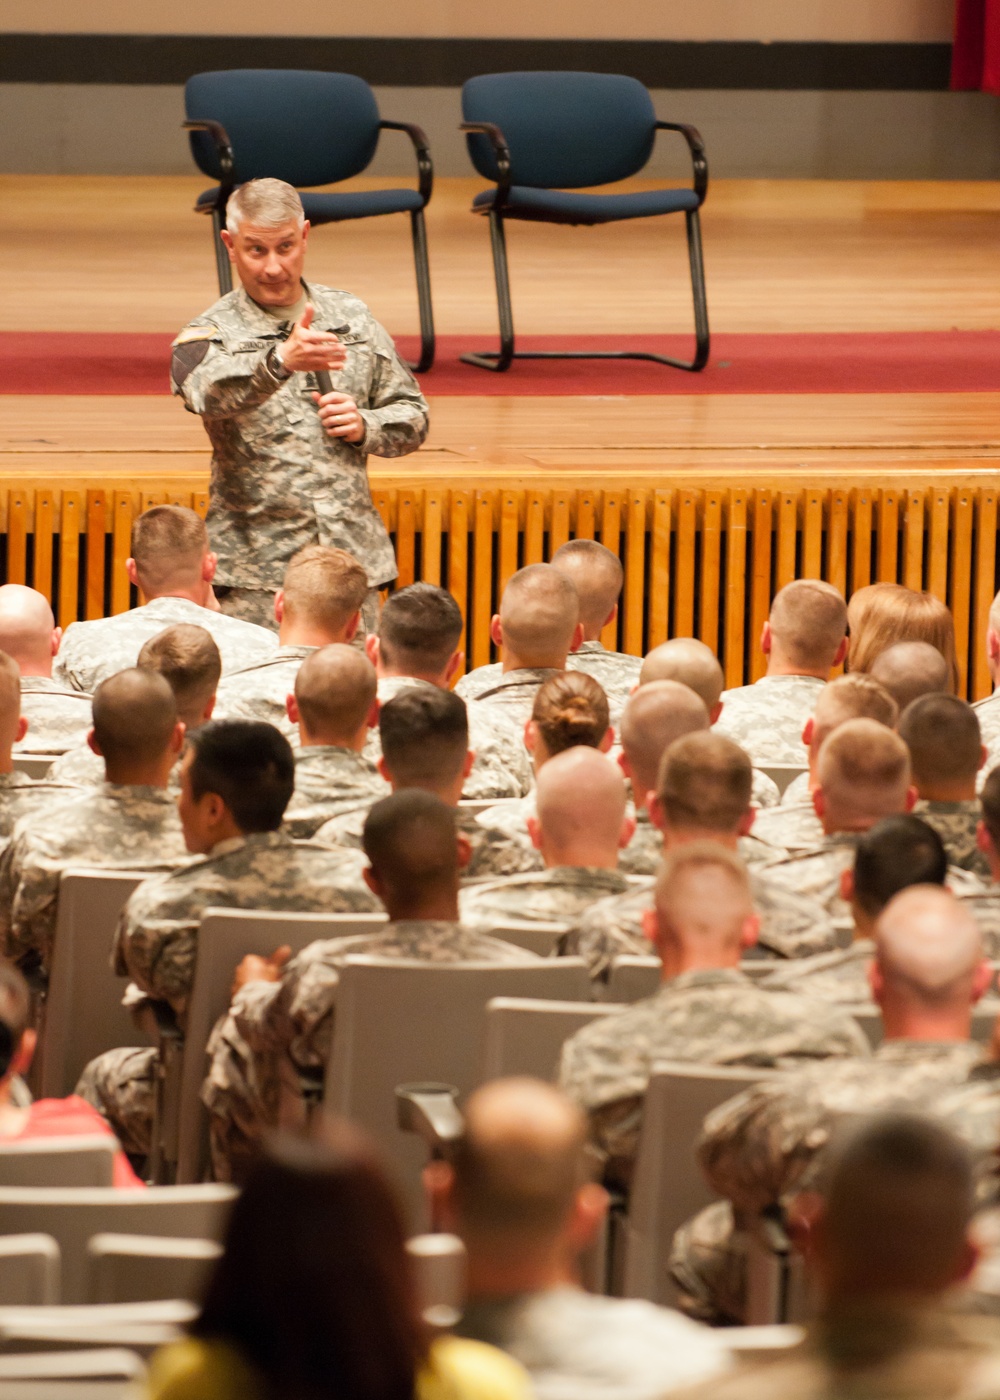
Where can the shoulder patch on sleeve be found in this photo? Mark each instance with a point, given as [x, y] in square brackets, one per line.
[193, 333]
[187, 356]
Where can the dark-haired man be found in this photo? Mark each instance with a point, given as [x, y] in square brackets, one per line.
[236, 779]
[286, 1008]
[946, 754]
[418, 646]
[129, 822]
[173, 565]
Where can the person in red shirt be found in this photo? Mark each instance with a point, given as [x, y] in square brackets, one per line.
[56, 1118]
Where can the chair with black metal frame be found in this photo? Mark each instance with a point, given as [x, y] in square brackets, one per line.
[307, 128]
[542, 138]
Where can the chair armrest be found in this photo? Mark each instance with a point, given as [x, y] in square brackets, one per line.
[696, 146]
[223, 149]
[430, 1111]
[422, 148]
[501, 151]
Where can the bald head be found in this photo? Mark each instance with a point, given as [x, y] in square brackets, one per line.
[864, 775]
[658, 713]
[909, 670]
[539, 613]
[518, 1166]
[10, 703]
[581, 809]
[135, 722]
[702, 906]
[334, 690]
[704, 785]
[689, 662]
[27, 629]
[928, 948]
[597, 575]
[807, 625]
[855, 696]
[946, 748]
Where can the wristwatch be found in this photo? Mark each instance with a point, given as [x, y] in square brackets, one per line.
[276, 364]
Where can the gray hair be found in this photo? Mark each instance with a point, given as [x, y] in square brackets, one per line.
[265, 203]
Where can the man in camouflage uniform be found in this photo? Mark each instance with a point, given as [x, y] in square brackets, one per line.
[537, 628]
[57, 718]
[803, 639]
[334, 707]
[946, 754]
[598, 577]
[425, 744]
[289, 464]
[418, 646]
[319, 604]
[985, 902]
[702, 793]
[707, 1011]
[19, 794]
[129, 822]
[236, 779]
[172, 565]
[286, 1009]
[890, 1243]
[760, 1147]
[580, 827]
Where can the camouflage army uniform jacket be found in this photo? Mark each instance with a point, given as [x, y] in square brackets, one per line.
[156, 939]
[797, 791]
[643, 854]
[988, 714]
[955, 823]
[615, 671]
[259, 691]
[279, 481]
[20, 796]
[58, 718]
[840, 976]
[511, 692]
[494, 853]
[793, 826]
[81, 767]
[329, 780]
[766, 718]
[121, 827]
[501, 768]
[759, 1146]
[715, 1017]
[92, 651]
[560, 895]
[791, 926]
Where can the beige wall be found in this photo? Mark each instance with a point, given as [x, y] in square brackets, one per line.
[850, 20]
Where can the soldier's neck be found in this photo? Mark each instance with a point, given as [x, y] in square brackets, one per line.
[7, 761]
[779, 665]
[155, 774]
[437, 906]
[386, 672]
[489, 1277]
[354, 742]
[513, 662]
[305, 634]
[960, 791]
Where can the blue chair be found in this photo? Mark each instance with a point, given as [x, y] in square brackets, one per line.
[308, 129]
[541, 138]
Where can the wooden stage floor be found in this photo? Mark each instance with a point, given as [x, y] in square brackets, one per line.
[127, 254]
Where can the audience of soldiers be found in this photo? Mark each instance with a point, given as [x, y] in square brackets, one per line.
[602, 806]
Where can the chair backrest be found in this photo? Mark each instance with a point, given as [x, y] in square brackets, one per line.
[668, 1187]
[91, 1365]
[72, 1215]
[36, 765]
[631, 978]
[782, 774]
[84, 1015]
[225, 936]
[403, 1021]
[143, 1268]
[29, 1271]
[563, 130]
[540, 938]
[305, 127]
[527, 1037]
[65, 1161]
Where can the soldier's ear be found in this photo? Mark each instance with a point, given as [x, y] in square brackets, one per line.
[984, 841]
[577, 641]
[292, 707]
[455, 663]
[840, 654]
[765, 639]
[351, 629]
[808, 730]
[496, 631]
[279, 606]
[535, 832]
[716, 712]
[92, 744]
[57, 635]
[608, 740]
[470, 758]
[612, 616]
[372, 881]
[383, 769]
[177, 737]
[22, 729]
[912, 797]
[208, 566]
[372, 648]
[372, 718]
[627, 831]
[984, 754]
[847, 885]
[133, 572]
[464, 849]
[655, 809]
[746, 821]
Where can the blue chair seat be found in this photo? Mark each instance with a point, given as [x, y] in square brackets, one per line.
[332, 208]
[571, 207]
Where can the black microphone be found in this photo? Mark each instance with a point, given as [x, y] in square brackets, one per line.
[323, 375]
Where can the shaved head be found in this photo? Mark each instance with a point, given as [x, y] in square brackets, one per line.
[409, 839]
[10, 701]
[704, 784]
[909, 670]
[335, 689]
[596, 574]
[188, 659]
[864, 775]
[659, 713]
[691, 663]
[26, 628]
[539, 613]
[856, 696]
[942, 734]
[809, 621]
[928, 946]
[169, 545]
[581, 805]
[702, 901]
[135, 715]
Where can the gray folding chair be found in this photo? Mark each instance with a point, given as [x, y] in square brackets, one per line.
[108, 1373]
[29, 1270]
[527, 1037]
[439, 1268]
[782, 774]
[540, 938]
[407, 1021]
[63, 1161]
[633, 978]
[225, 937]
[83, 1013]
[668, 1187]
[72, 1215]
[36, 765]
[144, 1268]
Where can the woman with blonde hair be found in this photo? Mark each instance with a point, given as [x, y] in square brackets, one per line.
[882, 614]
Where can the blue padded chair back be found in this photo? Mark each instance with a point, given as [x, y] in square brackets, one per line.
[564, 130]
[303, 127]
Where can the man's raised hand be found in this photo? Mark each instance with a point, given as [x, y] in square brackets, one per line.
[307, 349]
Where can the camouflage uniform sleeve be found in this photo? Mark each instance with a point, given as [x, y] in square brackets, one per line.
[155, 945]
[396, 415]
[34, 884]
[214, 383]
[256, 1015]
[9, 865]
[293, 1015]
[755, 1147]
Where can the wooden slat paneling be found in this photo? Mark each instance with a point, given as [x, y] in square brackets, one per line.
[711, 569]
[17, 536]
[736, 572]
[634, 592]
[659, 567]
[45, 526]
[760, 579]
